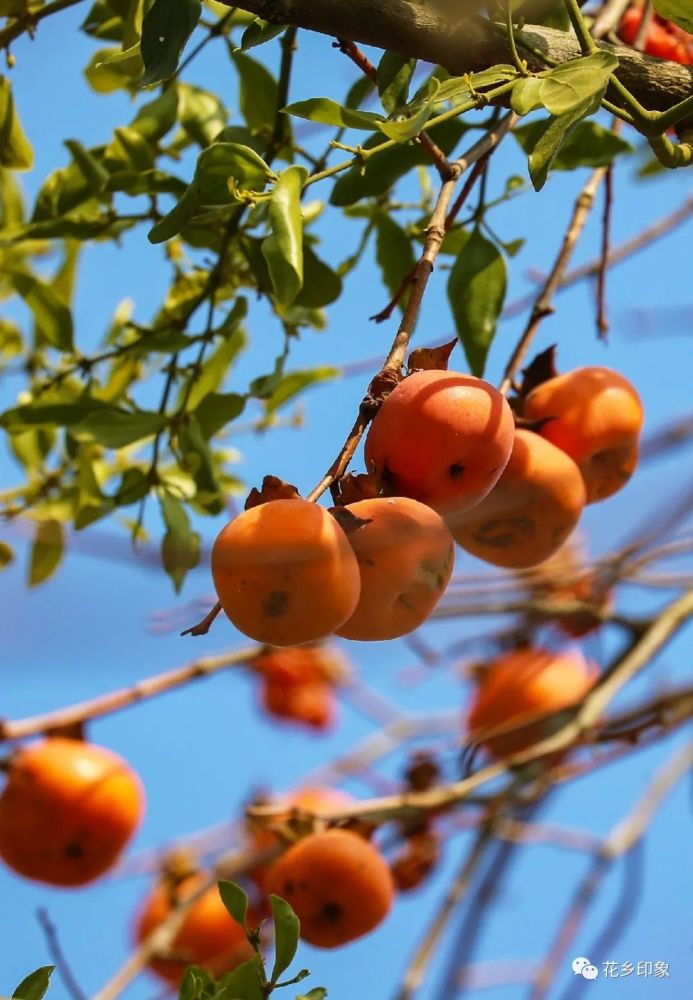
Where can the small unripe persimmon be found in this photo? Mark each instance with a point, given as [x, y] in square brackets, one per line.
[285, 573]
[520, 687]
[208, 937]
[442, 438]
[339, 885]
[530, 512]
[405, 555]
[67, 811]
[594, 415]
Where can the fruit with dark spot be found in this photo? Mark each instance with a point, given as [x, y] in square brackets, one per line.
[405, 554]
[532, 509]
[208, 937]
[338, 883]
[67, 811]
[285, 573]
[520, 687]
[442, 438]
[594, 415]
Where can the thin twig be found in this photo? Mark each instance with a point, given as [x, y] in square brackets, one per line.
[58, 955]
[360, 59]
[602, 321]
[29, 20]
[543, 304]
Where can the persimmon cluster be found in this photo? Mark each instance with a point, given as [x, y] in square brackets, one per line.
[663, 39]
[445, 461]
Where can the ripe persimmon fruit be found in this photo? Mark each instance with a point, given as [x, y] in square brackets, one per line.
[594, 415]
[311, 703]
[339, 885]
[285, 573]
[208, 936]
[405, 555]
[323, 801]
[442, 438]
[67, 811]
[518, 688]
[530, 512]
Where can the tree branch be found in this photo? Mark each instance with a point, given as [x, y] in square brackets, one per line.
[472, 44]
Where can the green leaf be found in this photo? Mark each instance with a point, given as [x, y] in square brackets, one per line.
[201, 113]
[526, 95]
[180, 546]
[196, 460]
[327, 112]
[223, 170]
[548, 146]
[321, 285]
[35, 985]
[393, 251]
[317, 993]
[95, 175]
[52, 316]
[569, 86]
[166, 28]
[13, 8]
[235, 900]
[217, 410]
[294, 383]
[6, 555]
[114, 69]
[283, 249]
[286, 931]
[476, 290]
[245, 982]
[258, 92]
[678, 11]
[589, 144]
[258, 33]
[15, 148]
[394, 76]
[157, 117]
[411, 121]
[47, 551]
[116, 428]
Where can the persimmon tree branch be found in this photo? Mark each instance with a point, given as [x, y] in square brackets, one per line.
[582, 721]
[392, 366]
[472, 44]
[114, 701]
[28, 21]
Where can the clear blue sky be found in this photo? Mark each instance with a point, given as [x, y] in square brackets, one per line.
[201, 751]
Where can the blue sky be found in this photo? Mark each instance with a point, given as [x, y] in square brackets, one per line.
[201, 751]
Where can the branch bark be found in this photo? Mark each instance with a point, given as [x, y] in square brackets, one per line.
[469, 46]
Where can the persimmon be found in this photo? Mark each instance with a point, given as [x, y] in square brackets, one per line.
[318, 799]
[663, 40]
[67, 811]
[309, 702]
[519, 687]
[339, 885]
[531, 510]
[594, 415]
[301, 664]
[285, 573]
[208, 937]
[441, 437]
[405, 555]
